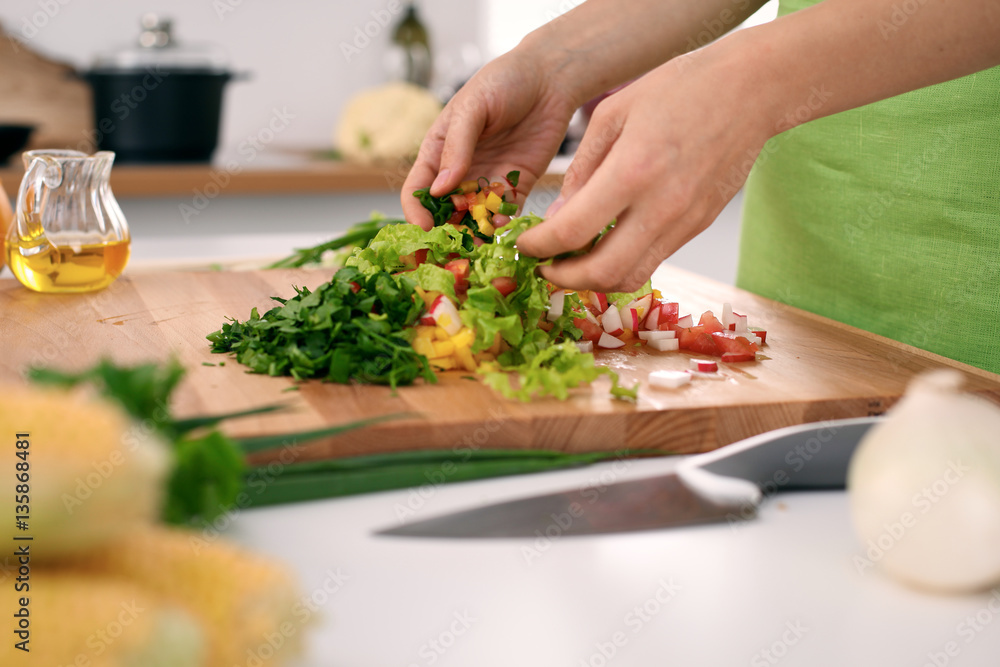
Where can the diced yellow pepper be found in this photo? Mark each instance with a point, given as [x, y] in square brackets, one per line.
[478, 212]
[493, 202]
[464, 338]
[445, 363]
[464, 356]
[489, 366]
[428, 297]
[481, 198]
[425, 331]
[439, 332]
[657, 294]
[443, 348]
[485, 227]
[469, 186]
[423, 346]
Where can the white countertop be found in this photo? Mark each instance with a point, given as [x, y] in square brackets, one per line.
[781, 589]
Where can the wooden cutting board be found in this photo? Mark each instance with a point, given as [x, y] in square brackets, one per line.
[815, 369]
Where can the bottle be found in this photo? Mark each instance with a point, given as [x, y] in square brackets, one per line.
[6, 215]
[68, 232]
[412, 51]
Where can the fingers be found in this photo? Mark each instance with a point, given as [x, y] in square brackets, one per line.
[466, 122]
[625, 258]
[602, 132]
[581, 218]
[422, 173]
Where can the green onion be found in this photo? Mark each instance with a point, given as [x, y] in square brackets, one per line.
[299, 482]
[507, 208]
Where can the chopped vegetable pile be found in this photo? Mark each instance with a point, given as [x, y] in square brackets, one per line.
[481, 205]
[460, 297]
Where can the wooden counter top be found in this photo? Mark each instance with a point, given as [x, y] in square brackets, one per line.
[305, 177]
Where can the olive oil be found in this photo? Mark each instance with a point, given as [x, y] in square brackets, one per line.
[45, 266]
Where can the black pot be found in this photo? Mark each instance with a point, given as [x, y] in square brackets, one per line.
[157, 114]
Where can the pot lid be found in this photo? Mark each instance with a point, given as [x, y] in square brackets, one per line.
[157, 47]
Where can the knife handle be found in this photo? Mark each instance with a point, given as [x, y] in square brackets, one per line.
[807, 456]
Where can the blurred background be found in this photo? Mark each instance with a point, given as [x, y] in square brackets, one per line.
[291, 74]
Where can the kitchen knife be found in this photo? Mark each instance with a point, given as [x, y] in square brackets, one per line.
[727, 484]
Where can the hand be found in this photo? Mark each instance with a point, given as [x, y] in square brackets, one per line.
[662, 157]
[509, 116]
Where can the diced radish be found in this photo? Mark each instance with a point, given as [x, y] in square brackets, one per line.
[610, 342]
[704, 365]
[585, 345]
[612, 321]
[556, 303]
[590, 316]
[706, 376]
[731, 357]
[500, 220]
[741, 323]
[727, 314]
[641, 305]
[761, 335]
[685, 322]
[657, 335]
[630, 319]
[665, 344]
[653, 319]
[427, 319]
[668, 379]
[599, 300]
[446, 315]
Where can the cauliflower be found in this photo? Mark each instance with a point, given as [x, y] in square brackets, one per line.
[386, 123]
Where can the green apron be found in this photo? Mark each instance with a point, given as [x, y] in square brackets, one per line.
[887, 217]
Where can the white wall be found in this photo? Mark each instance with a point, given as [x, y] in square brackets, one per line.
[292, 48]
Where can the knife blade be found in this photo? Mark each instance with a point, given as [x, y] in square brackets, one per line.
[723, 485]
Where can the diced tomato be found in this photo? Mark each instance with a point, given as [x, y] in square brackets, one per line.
[730, 358]
[731, 343]
[457, 217]
[669, 312]
[505, 285]
[460, 267]
[461, 202]
[591, 331]
[414, 259]
[355, 287]
[698, 340]
[710, 322]
[498, 188]
[470, 199]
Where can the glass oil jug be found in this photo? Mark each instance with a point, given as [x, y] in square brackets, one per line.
[68, 232]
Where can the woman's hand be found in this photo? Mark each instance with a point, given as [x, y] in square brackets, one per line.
[509, 116]
[662, 157]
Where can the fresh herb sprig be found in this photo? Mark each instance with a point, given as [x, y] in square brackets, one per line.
[354, 327]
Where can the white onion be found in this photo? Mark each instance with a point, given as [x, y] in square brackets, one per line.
[924, 489]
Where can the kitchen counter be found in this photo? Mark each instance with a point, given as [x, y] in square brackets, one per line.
[782, 589]
[280, 174]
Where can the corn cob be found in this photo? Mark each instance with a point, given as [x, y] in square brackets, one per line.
[94, 475]
[80, 619]
[248, 606]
